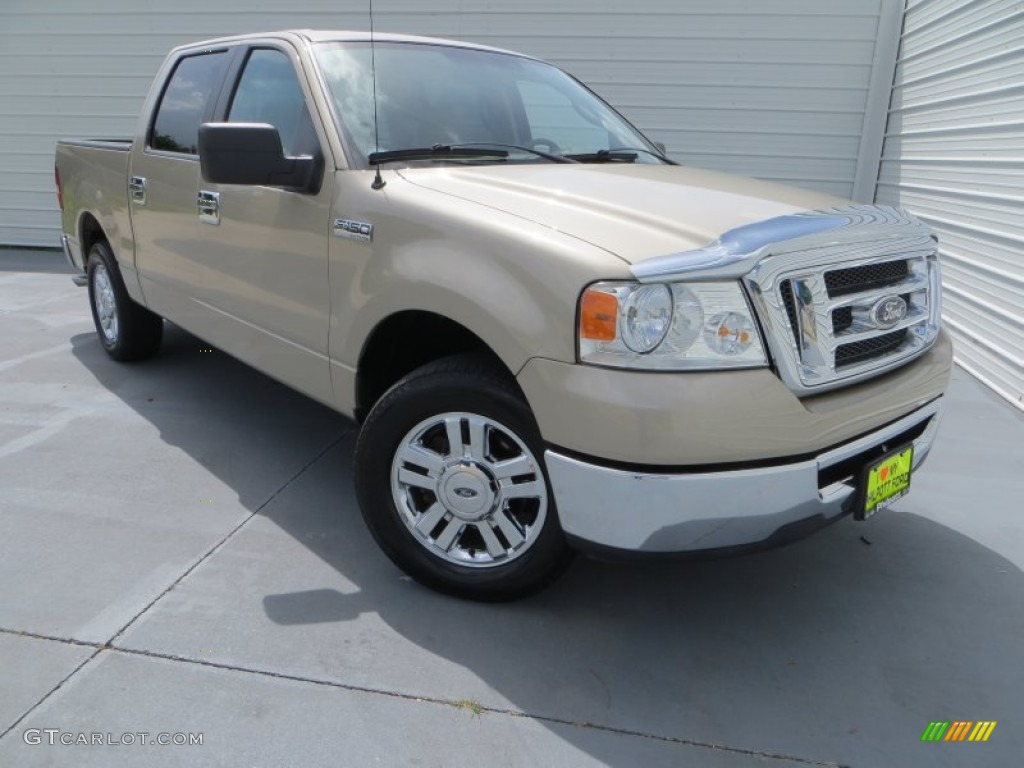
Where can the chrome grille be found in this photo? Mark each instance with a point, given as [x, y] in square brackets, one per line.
[842, 319]
[868, 349]
[786, 291]
[839, 282]
[826, 311]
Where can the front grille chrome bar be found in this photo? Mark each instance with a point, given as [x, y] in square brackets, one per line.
[820, 342]
[912, 284]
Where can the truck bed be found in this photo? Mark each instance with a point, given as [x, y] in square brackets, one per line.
[93, 176]
[117, 145]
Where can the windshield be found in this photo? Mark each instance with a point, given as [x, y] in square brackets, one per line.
[430, 95]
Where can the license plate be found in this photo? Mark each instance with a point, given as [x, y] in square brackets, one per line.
[886, 480]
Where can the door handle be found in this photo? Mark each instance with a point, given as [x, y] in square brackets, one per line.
[137, 189]
[209, 207]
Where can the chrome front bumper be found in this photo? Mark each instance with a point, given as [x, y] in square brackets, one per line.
[687, 512]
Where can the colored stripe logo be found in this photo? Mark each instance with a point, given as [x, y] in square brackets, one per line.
[958, 730]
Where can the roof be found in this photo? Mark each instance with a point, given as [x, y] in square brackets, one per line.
[322, 36]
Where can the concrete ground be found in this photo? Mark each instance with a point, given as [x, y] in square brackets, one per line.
[181, 553]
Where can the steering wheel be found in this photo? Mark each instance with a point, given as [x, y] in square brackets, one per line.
[546, 145]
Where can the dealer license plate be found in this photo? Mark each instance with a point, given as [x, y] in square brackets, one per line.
[886, 480]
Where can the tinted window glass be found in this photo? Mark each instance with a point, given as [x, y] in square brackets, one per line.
[176, 127]
[269, 92]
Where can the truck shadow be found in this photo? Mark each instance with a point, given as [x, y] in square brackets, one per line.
[842, 647]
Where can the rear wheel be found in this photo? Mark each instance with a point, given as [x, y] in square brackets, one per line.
[451, 482]
[127, 330]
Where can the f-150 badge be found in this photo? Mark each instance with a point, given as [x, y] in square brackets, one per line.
[353, 230]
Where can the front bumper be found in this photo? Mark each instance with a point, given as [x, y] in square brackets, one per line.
[699, 511]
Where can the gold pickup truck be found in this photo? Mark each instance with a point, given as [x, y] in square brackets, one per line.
[554, 337]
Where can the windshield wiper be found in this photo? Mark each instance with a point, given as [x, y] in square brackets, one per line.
[616, 155]
[546, 155]
[438, 151]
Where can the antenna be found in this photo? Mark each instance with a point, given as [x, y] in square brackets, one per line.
[378, 181]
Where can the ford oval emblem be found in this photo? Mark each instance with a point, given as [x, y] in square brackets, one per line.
[889, 311]
[466, 493]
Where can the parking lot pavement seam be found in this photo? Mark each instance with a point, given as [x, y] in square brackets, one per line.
[108, 646]
[58, 686]
[53, 638]
[477, 709]
[227, 537]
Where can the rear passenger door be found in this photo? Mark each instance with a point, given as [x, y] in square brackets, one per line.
[264, 249]
[163, 180]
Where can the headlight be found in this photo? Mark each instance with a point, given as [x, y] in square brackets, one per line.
[668, 327]
[645, 318]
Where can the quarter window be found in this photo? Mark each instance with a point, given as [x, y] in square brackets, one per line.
[176, 127]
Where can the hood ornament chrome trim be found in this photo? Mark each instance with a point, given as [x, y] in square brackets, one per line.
[734, 253]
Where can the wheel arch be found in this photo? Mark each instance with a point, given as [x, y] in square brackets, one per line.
[406, 340]
[90, 232]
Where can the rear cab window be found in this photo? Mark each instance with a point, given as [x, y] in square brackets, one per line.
[192, 86]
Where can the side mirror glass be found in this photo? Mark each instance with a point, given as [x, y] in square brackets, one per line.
[251, 153]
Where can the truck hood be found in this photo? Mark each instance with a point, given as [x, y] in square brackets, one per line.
[633, 211]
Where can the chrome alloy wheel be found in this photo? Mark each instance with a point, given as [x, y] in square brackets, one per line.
[469, 489]
[106, 303]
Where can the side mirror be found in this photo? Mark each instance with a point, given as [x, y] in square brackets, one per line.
[251, 153]
[660, 146]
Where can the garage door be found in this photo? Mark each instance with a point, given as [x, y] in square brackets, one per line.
[954, 155]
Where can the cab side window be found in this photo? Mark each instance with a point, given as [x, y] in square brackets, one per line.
[184, 102]
[269, 92]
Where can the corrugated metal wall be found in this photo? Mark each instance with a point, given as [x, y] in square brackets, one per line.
[954, 155]
[775, 90]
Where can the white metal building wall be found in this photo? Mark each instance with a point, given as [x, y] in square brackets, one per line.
[775, 90]
[954, 155]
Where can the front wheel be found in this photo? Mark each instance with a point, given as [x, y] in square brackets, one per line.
[127, 331]
[451, 482]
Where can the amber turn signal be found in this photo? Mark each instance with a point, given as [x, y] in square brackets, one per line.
[599, 312]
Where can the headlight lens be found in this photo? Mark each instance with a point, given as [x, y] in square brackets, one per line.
[677, 326]
[645, 317]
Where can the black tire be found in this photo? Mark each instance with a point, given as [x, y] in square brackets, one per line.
[127, 331]
[472, 386]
